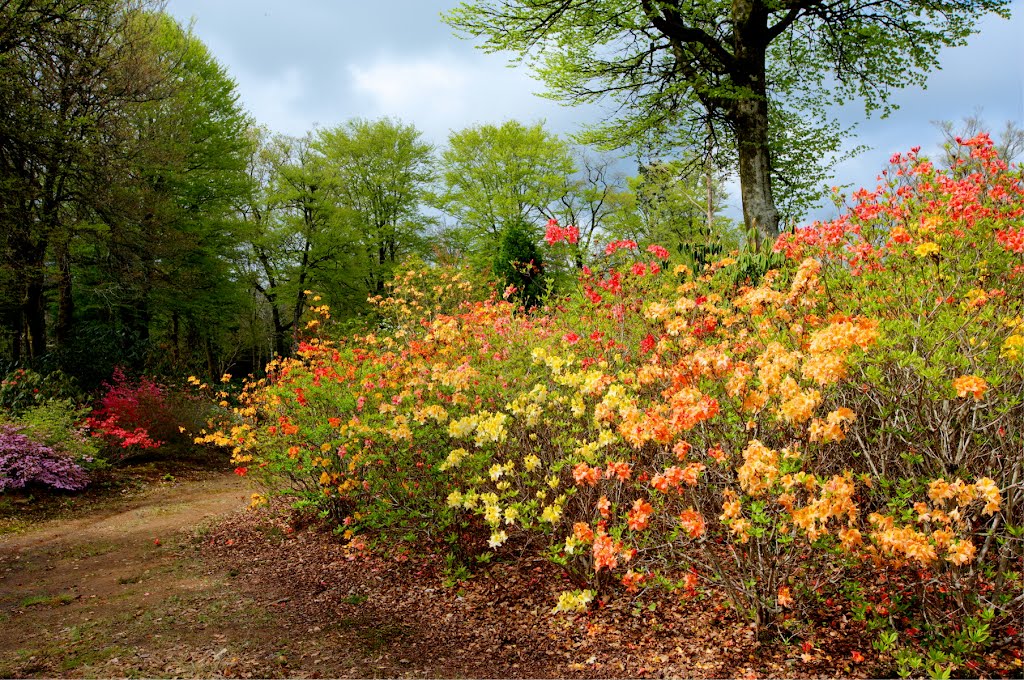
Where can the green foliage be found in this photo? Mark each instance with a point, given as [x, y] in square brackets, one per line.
[23, 389]
[518, 264]
[375, 174]
[494, 176]
[337, 211]
[751, 80]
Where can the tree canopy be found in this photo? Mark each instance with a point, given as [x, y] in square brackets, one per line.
[733, 70]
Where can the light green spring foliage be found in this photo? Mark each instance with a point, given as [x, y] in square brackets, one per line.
[494, 176]
[682, 73]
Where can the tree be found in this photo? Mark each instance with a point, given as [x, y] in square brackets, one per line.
[726, 68]
[70, 73]
[187, 173]
[678, 204]
[1009, 143]
[518, 264]
[594, 195]
[496, 176]
[378, 173]
[289, 240]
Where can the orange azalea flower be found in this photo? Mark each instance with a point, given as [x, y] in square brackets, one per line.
[691, 580]
[970, 384]
[717, 453]
[681, 449]
[582, 532]
[586, 475]
[692, 472]
[899, 235]
[639, 516]
[604, 506]
[693, 522]
[618, 469]
[961, 552]
[605, 552]
[632, 580]
[785, 597]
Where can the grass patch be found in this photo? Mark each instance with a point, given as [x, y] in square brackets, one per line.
[89, 657]
[355, 599]
[48, 600]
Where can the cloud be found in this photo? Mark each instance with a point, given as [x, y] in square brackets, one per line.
[440, 92]
[401, 85]
[272, 99]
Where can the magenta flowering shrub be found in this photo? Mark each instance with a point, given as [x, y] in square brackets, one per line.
[25, 461]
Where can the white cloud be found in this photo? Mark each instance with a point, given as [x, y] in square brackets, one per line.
[405, 85]
[273, 99]
[440, 92]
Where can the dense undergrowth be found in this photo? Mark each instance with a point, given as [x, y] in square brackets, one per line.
[55, 438]
[842, 434]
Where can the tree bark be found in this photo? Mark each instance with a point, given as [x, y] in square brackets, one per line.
[759, 211]
[748, 114]
[65, 293]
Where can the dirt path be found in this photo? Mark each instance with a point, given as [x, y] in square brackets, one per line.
[179, 582]
[117, 592]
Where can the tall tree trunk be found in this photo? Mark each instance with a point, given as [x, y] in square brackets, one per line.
[748, 115]
[65, 297]
[279, 330]
[759, 211]
[35, 313]
[28, 253]
[175, 339]
[211, 361]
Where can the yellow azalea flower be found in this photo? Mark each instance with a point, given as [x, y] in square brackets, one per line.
[455, 499]
[531, 462]
[463, 427]
[1013, 348]
[927, 248]
[497, 539]
[573, 601]
[551, 514]
[930, 224]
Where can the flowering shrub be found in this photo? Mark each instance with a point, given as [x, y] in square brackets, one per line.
[932, 255]
[25, 461]
[132, 417]
[123, 413]
[856, 410]
[59, 424]
[23, 388]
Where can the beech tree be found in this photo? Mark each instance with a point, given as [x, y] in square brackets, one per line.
[497, 176]
[377, 173]
[728, 68]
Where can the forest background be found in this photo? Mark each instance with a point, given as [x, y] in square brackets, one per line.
[151, 223]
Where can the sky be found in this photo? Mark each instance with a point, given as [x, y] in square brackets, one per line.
[305, 63]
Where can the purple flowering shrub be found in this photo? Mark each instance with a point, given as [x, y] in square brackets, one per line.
[25, 461]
